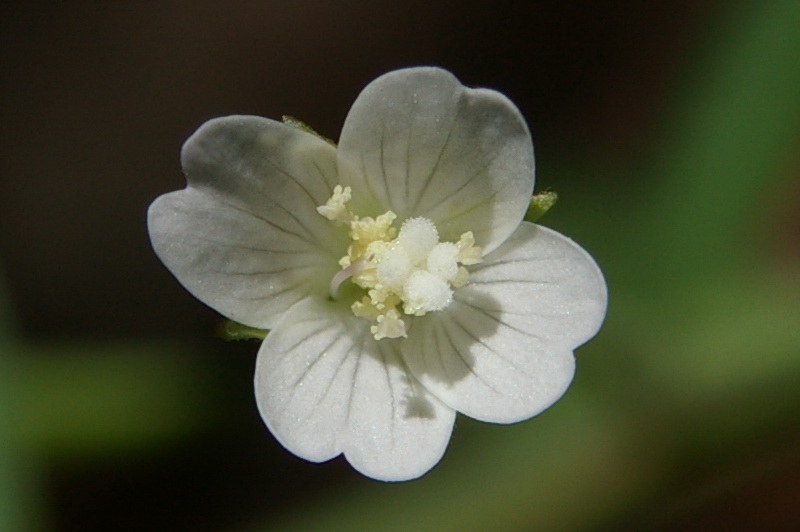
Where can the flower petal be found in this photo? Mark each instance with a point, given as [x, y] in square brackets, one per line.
[419, 143]
[503, 351]
[244, 237]
[325, 386]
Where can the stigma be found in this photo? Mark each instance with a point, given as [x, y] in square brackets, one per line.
[403, 273]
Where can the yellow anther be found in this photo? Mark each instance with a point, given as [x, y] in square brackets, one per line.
[407, 271]
[468, 253]
[335, 209]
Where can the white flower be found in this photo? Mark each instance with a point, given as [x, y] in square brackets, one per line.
[395, 271]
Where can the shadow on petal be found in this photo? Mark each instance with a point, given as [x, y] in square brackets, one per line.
[418, 406]
[414, 398]
[415, 401]
[440, 347]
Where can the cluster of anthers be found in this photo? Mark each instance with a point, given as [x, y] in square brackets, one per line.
[407, 269]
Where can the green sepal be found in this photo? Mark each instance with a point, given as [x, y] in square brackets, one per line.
[231, 330]
[540, 204]
[302, 126]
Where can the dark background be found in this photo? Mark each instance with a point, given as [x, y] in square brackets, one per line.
[97, 98]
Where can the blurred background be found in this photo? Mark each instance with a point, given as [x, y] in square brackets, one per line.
[671, 132]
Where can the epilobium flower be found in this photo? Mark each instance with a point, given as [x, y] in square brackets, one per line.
[395, 271]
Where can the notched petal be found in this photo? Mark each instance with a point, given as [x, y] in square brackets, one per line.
[244, 237]
[397, 430]
[547, 284]
[271, 170]
[303, 381]
[419, 142]
[246, 157]
[324, 386]
[503, 351]
[243, 266]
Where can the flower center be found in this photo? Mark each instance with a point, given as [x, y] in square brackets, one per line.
[407, 270]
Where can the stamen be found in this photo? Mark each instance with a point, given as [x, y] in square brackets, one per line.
[404, 274]
[336, 209]
[389, 325]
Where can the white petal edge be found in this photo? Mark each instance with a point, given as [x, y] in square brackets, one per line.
[234, 261]
[418, 142]
[244, 237]
[503, 351]
[325, 386]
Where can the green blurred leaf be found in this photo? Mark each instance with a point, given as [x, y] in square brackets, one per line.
[105, 397]
[18, 466]
[732, 132]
